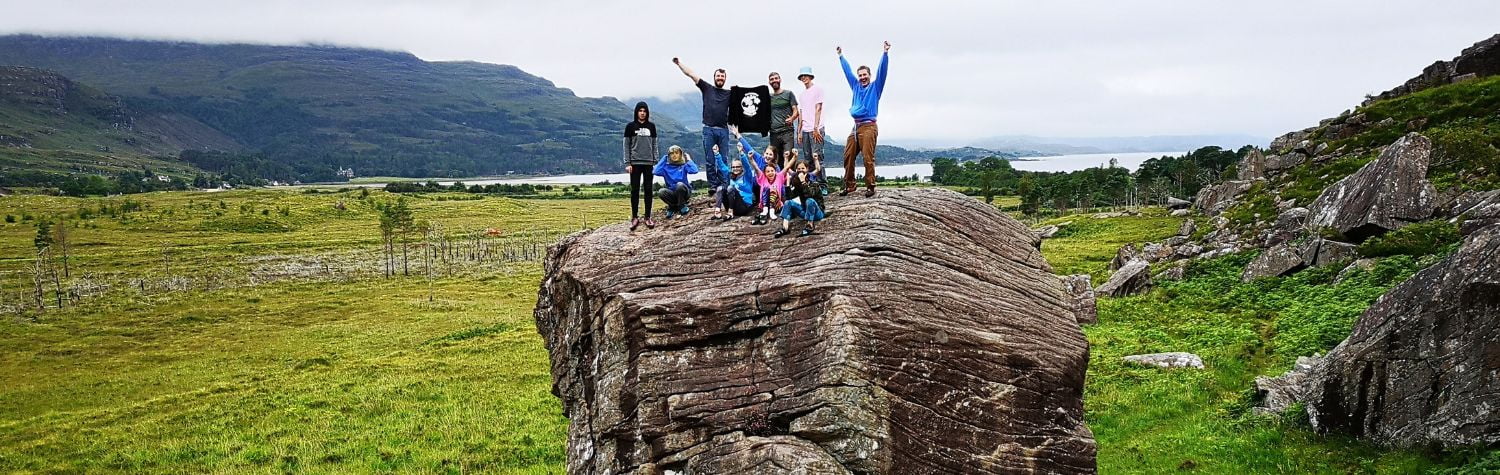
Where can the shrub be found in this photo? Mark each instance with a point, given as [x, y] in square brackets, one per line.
[1421, 239]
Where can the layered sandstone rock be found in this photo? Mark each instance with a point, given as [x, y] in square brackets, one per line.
[919, 332]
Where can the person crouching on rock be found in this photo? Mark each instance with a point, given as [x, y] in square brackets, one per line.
[801, 201]
[674, 168]
[735, 198]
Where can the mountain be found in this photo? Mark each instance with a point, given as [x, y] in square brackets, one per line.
[52, 125]
[322, 107]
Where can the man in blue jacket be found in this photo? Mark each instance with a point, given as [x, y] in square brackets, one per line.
[863, 108]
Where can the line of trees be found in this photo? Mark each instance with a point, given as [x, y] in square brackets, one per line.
[459, 187]
[1152, 183]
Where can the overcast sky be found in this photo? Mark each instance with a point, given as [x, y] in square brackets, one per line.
[959, 70]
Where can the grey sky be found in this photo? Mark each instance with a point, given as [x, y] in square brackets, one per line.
[959, 70]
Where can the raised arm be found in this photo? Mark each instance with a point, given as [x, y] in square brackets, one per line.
[848, 74]
[685, 71]
[884, 67]
[722, 164]
[660, 168]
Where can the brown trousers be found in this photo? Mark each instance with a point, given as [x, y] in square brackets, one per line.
[861, 140]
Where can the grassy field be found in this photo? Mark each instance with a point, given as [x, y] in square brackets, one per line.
[358, 373]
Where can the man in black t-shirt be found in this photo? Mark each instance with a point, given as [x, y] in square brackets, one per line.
[715, 119]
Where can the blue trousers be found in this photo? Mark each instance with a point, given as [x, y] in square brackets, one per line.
[727, 146]
[810, 212]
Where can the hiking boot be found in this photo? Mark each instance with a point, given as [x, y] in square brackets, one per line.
[846, 192]
[670, 214]
[650, 223]
[635, 223]
[685, 209]
[779, 233]
[870, 193]
[808, 231]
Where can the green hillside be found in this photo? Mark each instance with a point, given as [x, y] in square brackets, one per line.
[52, 127]
[320, 108]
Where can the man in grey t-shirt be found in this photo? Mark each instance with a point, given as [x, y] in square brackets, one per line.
[784, 114]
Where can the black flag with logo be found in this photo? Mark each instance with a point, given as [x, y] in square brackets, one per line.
[750, 109]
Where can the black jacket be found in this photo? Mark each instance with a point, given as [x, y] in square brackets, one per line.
[641, 139]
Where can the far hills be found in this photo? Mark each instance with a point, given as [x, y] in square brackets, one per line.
[301, 113]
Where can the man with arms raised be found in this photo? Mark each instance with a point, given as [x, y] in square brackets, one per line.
[715, 118]
[863, 108]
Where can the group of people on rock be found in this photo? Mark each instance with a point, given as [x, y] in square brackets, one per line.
[784, 182]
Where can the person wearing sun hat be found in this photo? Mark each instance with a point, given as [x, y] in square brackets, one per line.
[810, 133]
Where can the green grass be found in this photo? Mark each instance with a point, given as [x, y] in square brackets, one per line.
[364, 376]
[1158, 421]
[1088, 244]
[326, 376]
[448, 374]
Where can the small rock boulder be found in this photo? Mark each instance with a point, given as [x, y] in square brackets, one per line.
[1274, 395]
[1289, 224]
[1278, 163]
[1046, 232]
[1166, 360]
[1178, 213]
[1178, 203]
[1253, 166]
[1081, 288]
[1187, 228]
[1156, 252]
[1281, 259]
[1133, 278]
[1123, 256]
[1176, 271]
[1386, 194]
[1214, 199]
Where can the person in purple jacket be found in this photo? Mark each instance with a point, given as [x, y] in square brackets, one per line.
[863, 108]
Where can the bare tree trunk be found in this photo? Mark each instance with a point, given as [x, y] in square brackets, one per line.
[404, 269]
[38, 280]
[62, 242]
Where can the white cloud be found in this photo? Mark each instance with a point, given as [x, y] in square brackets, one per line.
[959, 70]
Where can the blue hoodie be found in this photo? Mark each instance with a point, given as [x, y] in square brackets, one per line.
[745, 184]
[674, 174]
[866, 103]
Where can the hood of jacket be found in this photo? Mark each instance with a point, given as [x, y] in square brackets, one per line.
[632, 129]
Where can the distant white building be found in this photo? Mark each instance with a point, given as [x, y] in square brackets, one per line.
[346, 172]
[163, 178]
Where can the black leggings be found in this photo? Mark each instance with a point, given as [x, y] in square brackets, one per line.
[640, 177]
[730, 198]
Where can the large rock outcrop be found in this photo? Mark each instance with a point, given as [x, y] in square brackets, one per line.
[919, 332]
[1480, 60]
[1422, 366]
[1386, 194]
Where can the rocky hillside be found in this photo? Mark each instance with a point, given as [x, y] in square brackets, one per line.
[1414, 173]
[320, 108]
